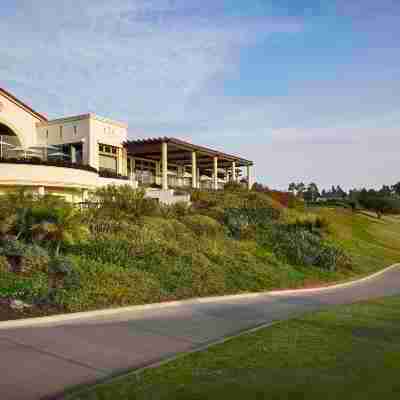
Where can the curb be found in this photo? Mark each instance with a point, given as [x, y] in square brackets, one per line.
[35, 321]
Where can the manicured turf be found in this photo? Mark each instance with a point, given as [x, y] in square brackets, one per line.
[348, 352]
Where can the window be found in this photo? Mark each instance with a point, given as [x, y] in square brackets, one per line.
[101, 147]
[108, 162]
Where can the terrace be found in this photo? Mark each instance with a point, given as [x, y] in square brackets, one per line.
[170, 162]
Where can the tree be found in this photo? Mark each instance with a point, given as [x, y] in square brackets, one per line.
[386, 191]
[312, 192]
[300, 188]
[61, 225]
[292, 188]
[396, 188]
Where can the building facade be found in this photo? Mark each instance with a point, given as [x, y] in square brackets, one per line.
[71, 156]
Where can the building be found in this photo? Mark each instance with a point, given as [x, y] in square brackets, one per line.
[71, 156]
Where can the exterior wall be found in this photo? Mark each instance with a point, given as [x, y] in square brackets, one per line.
[43, 175]
[89, 129]
[20, 121]
[74, 129]
[108, 132]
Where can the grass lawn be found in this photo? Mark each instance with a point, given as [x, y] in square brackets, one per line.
[348, 352]
[372, 243]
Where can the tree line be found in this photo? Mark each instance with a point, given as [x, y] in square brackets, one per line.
[382, 201]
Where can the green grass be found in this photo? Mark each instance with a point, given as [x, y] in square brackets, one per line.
[348, 352]
[372, 243]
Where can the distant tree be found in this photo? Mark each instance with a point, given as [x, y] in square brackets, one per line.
[312, 192]
[396, 188]
[300, 188]
[292, 188]
[386, 190]
[340, 192]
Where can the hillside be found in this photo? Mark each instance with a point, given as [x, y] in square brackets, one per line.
[129, 250]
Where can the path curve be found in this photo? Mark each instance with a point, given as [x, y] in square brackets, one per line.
[41, 360]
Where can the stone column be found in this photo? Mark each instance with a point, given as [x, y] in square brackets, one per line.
[215, 173]
[194, 170]
[198, 180]
[164, 150]
[233, 171]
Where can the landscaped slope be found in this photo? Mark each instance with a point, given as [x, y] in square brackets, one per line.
[129, 250]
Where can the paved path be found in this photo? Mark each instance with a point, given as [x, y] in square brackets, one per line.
[40, 361]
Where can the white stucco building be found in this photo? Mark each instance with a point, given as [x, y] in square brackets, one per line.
[70, 156]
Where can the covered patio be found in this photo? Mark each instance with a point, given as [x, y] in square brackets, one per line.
[171, 162]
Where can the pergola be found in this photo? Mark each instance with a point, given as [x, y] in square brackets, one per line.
[175, 151]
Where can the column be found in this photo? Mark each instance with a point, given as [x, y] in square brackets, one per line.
[249, 178]
[158, 172]
[164, 150]
[41, 191]
[215, 173]
[119, 161]
[198, 180]
[233, 171]
[194, 170]
[73, 153]
[85, 195]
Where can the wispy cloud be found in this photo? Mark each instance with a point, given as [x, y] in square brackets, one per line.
[159, 64]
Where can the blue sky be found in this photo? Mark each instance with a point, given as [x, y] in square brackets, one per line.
[308, 89]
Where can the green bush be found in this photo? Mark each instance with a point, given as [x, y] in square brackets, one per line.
[4, 265]
[312, 223]
[29, 289]
[107, 285]
[301, 247]
[35, 259]
[203, 225]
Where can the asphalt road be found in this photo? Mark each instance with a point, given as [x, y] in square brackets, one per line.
[41, 361]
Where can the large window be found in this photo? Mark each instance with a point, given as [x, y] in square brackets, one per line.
[108, 159]
[108, 163]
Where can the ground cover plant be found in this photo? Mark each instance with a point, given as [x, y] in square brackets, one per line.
[122, 248]
[348, 352]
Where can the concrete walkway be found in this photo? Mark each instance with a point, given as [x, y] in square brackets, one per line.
[40, 361]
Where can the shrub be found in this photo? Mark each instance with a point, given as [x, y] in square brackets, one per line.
[35, 259]
[233, 186]
[300, 247]
[239, 220]
[312, 223]
[121, 202]
[203, 225]
[14, 250]
[203, 199]
[4, 265]
[107, 285]
[29, 289]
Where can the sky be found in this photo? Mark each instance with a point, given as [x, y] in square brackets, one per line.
[308, 89]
